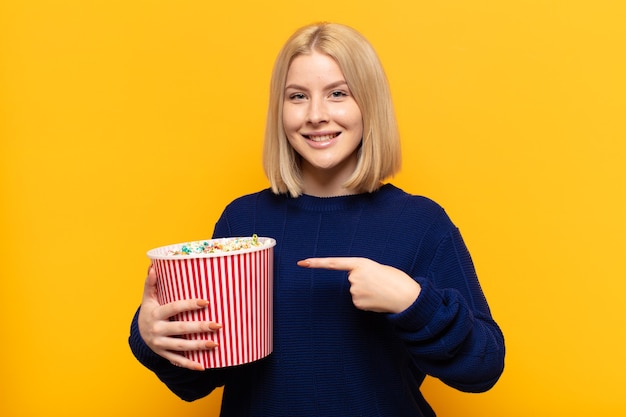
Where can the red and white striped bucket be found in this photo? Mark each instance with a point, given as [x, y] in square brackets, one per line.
[238, 286]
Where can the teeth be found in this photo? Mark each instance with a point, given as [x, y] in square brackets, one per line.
[321, 138]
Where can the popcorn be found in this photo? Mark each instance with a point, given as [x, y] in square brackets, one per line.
[216, 246]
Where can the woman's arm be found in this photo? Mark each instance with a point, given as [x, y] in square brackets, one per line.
[449, 329]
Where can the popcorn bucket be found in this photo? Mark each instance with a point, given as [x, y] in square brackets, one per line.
[238, 285]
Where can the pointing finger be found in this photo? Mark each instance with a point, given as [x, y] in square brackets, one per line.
[338, 264]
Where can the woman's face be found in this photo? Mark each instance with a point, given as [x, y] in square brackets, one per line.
[322, 121]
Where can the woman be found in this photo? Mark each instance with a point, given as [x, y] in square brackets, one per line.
[374, 287]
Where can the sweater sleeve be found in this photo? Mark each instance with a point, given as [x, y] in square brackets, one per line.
[449, 330]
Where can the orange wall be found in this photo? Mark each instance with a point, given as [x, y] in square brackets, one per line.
[126, 125]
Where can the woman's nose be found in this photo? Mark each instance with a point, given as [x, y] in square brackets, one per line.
[318, 111]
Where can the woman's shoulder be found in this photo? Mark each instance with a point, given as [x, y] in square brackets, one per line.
[253, 200]
[396, 195]
[414, 208]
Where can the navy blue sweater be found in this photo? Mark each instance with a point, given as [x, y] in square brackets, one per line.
[329, 358]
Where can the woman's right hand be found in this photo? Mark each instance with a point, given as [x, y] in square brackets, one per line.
[162, 335]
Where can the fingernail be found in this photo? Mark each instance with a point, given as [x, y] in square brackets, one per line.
[210, 345]
[305, 263]
[202, 303]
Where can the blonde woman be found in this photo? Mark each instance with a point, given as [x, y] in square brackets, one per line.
[374, 288]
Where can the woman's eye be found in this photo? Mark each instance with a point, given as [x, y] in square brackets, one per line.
[296, 96]
[338, 94]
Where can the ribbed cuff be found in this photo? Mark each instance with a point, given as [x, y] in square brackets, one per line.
[421, 312]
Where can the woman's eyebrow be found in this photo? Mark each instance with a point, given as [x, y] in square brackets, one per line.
[328, 87]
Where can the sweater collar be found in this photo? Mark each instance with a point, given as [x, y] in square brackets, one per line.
[339, 203]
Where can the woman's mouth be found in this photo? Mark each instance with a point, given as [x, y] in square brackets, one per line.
[321, 138]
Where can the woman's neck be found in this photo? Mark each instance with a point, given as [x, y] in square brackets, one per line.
[325, 185]
[327, 182]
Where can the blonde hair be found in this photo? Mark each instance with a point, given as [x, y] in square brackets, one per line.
[379, 155]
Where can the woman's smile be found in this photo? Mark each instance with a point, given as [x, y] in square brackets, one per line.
[321, 137]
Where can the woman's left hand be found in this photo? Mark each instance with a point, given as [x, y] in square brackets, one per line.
[374, 287]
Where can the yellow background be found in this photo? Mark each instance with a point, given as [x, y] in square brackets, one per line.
[129, 124]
